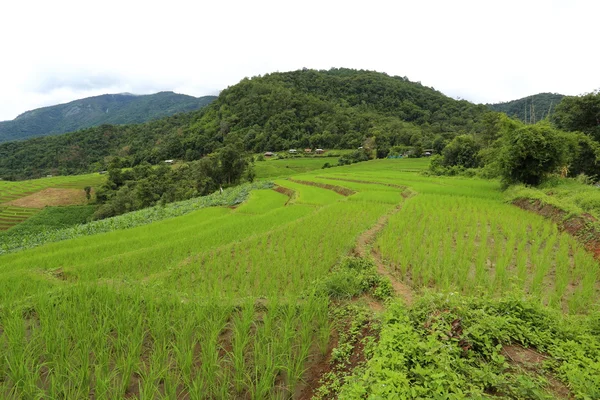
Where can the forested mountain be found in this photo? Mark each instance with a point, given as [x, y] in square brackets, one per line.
[114, 109]
[530, 109]
[339, 108]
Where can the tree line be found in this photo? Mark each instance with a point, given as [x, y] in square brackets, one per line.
[568, 143]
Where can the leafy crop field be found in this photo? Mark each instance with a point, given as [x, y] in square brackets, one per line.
[224, 298]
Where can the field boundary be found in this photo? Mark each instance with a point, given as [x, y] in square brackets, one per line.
[338, 189]
[583, 227]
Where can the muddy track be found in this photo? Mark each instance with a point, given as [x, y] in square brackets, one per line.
[338, 189]
[364, 247]
[584, 228]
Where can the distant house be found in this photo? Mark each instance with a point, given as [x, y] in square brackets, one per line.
[102, 172]
[319, 151]
[268, 154]
[169, 161]
[428, 152]
[308, 151]
[293, 151]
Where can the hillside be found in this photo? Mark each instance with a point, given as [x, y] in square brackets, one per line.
[529, 109]
[116, 109]
[339, 108]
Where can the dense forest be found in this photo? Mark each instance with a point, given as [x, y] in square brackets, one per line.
[568, 144]
[338, 108]
[115, 109]
[530, 109]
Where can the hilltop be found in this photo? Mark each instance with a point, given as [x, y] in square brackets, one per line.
[338, 108]
[529, 109]
[116, 109]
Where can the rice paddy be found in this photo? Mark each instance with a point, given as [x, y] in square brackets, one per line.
[221, 302]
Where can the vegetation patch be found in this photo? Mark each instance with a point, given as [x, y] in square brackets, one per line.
[450, 346]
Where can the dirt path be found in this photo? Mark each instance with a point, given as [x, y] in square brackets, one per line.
[364, 246]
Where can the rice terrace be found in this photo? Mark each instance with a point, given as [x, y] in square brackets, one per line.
[334, 234]
[252, 301]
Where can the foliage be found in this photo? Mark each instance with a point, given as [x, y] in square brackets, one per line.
[353, 277]
[450, 346]
[580, 113]
[113, 109]
[530, 153]
[463, 151]
[354, 157]
[144, 186]
[530, 109]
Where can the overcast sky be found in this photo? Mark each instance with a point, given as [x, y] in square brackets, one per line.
[483, 51]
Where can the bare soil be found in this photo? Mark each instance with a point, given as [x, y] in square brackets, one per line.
[51, 197]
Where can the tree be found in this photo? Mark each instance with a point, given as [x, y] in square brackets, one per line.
[463, 151]
[88, 192]
[579, 113]
[585, 155]
[529, 153]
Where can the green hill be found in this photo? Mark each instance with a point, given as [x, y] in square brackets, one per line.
[529, 109]
[339, 108]
[114, 109]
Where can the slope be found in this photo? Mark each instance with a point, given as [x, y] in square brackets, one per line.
[123, 108]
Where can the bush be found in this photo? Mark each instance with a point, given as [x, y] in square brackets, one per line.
[530, 153]
[463, 151]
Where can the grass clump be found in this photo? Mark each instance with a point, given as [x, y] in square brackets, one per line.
[353, 277]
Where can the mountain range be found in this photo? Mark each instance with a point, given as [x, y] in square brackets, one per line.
[114, 109]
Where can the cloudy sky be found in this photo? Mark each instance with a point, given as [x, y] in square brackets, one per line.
[482, 51]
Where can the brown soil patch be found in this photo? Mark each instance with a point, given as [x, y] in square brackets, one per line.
[286, 191]
[583, 227]
[338, 189]
[51, 197]
[531, 360]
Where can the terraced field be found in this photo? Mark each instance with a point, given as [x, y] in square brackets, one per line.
[261, 300]
[11, 214]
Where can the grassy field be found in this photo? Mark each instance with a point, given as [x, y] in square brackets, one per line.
[247, 301]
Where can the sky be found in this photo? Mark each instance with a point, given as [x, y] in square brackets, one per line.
[482, 51]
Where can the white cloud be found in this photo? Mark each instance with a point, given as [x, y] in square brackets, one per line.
[482, 51]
